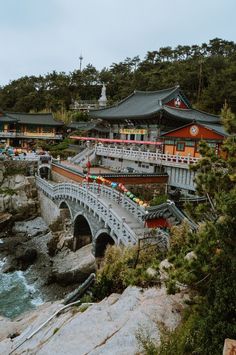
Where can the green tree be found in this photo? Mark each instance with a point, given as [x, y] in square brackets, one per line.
[211, 275]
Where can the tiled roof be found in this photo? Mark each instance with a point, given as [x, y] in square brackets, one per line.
[140, 104]
[6, 118]
[192, 115]
[44, 119]
[88, 126]
[169, 211]
[217, 128]
[146, 104]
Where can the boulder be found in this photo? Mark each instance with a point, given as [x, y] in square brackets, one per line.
[5, 220]
[26, 257]
[73, 267]
[19, 196]
[164, 266]
[190, 256]
[32, 228]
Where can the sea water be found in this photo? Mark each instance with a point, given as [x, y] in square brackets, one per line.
[16, 295]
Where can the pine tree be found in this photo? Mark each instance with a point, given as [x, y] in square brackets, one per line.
[212, 275]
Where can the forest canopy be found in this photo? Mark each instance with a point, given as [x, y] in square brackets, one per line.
[206, 73]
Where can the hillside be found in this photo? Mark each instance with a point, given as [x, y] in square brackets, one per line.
[206, 73]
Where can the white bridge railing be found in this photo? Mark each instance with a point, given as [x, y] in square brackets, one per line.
[145, 156]
[90, 195]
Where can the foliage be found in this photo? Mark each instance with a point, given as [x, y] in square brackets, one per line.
[206, 73]
[118, 270]
[79, 116]
[147, 344]
[228, 118]
[212, 273]
[59, 149]
[7, 191]
[158, 200]
[11, 170]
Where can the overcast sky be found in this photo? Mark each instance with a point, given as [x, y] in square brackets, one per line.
[39, 36]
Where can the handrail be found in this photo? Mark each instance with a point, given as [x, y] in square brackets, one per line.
[165, 159]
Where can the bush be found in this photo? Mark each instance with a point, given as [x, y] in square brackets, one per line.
[119, 270]
[158, 200]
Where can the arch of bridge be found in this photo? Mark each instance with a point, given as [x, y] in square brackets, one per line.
[63, 204]
[102, 239]
[82, 233]
[95, 233]
[44, 166]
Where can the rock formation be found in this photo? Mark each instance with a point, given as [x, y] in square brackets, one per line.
[109, 327]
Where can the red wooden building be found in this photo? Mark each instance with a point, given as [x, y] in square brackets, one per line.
[185, 140]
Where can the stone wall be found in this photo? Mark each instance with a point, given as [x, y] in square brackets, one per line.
[60, 178]
[49, 211]
[60, 174]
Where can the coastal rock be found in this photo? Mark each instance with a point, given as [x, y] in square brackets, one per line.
[108, 327]
[26, 257]
[5, 220]
[26, 244]
[76, 266]
[18, 196]
[2, 170]
[32, 228]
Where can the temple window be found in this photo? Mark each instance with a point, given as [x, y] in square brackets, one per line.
[180, 146]
[189, 143]
[169, 142]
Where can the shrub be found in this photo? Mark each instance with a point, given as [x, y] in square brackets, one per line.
[119, 270]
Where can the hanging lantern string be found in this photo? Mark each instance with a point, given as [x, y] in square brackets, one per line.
[120, 186]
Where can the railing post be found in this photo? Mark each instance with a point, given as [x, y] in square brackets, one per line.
[107, 217]
[121, 229]
[177, 157]
[96, 205]
[189, 155]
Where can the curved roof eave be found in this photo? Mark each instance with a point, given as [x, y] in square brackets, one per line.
[178, 112]
[129, 117]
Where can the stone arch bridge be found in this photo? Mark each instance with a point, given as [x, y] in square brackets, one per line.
[99, 214]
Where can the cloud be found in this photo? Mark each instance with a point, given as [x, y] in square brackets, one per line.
[41, 36]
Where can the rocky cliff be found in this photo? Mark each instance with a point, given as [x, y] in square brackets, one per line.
[18, 193]
[112, 326]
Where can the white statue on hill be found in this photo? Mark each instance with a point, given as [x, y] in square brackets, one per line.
[103, 99]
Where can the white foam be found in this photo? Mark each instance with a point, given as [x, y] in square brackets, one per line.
[31, 289]
[37, 301]
[2, 263]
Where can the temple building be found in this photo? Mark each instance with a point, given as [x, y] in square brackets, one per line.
[22, 129]
[164, 116]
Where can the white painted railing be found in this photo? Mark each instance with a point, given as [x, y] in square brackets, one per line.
[121, 199]
[30, 135]
[90, 195]
[145, 156]
[81, 155]
[7, 134]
